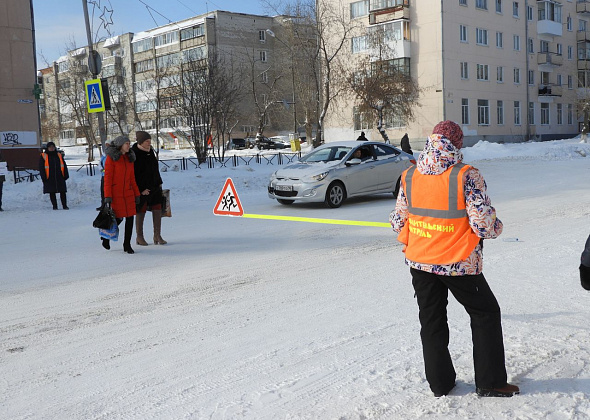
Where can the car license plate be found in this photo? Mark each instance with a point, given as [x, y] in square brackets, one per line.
[283, 188]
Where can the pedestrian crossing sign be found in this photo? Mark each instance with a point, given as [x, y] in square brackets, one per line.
[94, 96]
[228, 203]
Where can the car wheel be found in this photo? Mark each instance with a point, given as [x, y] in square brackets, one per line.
[335, 195]
[285, 202]
[396, 191]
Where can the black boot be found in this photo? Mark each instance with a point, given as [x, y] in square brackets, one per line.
[106, 244]
[53, 200]
[64, 202]
[128, 232]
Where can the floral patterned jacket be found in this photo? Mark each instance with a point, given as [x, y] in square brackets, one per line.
[438, 155]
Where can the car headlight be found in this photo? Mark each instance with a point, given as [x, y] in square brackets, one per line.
[319, 177]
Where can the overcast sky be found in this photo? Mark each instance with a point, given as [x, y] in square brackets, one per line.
[57, 23]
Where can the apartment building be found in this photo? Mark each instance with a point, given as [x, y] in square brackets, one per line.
[505, 70]
[147, 74]
[19, 116]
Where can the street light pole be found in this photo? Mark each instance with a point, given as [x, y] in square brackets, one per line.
[271, 33]
[94, 69]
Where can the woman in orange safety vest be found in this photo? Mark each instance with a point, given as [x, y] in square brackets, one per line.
[442, 215]
[54, 173]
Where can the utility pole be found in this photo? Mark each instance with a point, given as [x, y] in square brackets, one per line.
[94, 65]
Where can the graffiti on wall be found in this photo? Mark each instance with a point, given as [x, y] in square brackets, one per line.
[18, 138]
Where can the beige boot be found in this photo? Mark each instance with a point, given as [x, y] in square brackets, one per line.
[139, 229]
[157, 218]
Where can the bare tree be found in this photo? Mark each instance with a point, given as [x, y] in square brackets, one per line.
[383, 85]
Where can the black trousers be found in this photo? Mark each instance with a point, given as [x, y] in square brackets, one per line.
[128, 229]
[62, 197]
[474, 293]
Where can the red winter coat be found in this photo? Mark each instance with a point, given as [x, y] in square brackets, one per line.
[119, 182]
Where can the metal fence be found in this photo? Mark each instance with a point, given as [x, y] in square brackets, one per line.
[182, 163]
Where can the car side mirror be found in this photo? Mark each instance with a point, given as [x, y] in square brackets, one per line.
[353, 161]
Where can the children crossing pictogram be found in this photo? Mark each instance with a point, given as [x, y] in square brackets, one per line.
[228, 203]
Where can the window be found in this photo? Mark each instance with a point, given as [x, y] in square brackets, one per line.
[463, 2]
[481, 36]
[66, 83]
[483, 112]
[516, 42]
[531, 77]
[166, 39]
[362, 120]
[500, 74]
[481, 4]
[464, 70]
[570, 52]
[544, 114]
[559, 114]
[559, 82]
[499, 40]
[359, 44]
[264, 77]
[359, 8]
[570, 83]
[516, 76]
[193, 32]
[169, 60]
[66, 134]
[551, 10]
[500, 112]
[531, 45]
[516, 112]
[582, 24]
[262, 36]
[63, 66]
[544, 78]
[584, 78]
[462, 33]
[482, 72]
[570, 114]
[263, 56]
[569, 24]
[515, 9]
[498, 6]
[145, 106]
[144, 65]
[543, 46]
[194, 54]
[169, 102]
[559, 49]
[464, 111]
[143, 45]
[529, 13]
[531, 113]
[144, 85]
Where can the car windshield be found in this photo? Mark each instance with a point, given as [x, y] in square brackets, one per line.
[326, 154]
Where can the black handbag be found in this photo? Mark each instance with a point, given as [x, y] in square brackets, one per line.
[105, 217]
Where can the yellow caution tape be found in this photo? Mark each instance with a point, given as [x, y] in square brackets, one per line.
[316, 220]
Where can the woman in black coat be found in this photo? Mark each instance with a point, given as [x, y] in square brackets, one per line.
[54, 173]
[149, 182]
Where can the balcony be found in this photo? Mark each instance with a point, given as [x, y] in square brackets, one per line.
[549, 90]
[583, 64]
[549, 27]
[583, 6]
[381, 11]
[550, 59]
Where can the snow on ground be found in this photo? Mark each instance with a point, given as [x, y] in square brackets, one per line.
[246, 318]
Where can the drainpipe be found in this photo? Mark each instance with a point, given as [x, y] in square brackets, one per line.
[526, 37]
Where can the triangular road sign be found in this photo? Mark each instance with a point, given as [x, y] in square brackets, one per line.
[228, 203]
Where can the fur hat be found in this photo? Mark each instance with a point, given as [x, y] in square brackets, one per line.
[141, 136]
[451, 131]
[120, 141]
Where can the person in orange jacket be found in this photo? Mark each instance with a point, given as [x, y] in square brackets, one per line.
[442, 215]
[120, 189]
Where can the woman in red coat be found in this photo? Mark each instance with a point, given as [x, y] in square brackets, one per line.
[120, 189]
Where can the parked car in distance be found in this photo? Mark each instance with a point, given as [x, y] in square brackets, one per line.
[236, 144]
[280, 142]
[338, 170]
[275, 142]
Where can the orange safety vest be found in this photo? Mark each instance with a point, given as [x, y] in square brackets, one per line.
[46, 159]
[437, 230]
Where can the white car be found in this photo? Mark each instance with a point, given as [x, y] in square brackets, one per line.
[339, 170]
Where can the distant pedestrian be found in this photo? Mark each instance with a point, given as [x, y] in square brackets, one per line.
[103, 158]
[585, 266]
[362, 137]
[54, 173]
[442, 215]
[149, 182]
[3, 175]
[120, 189]
[405, 144]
